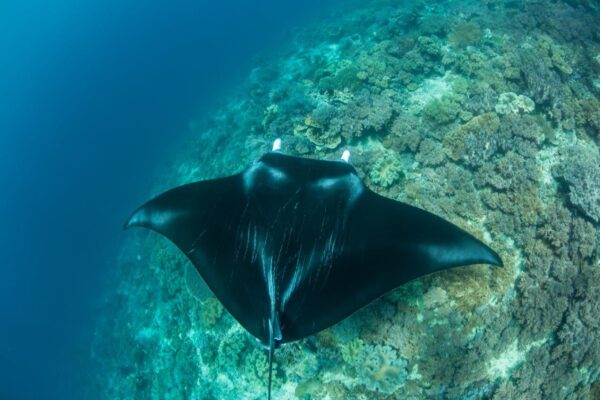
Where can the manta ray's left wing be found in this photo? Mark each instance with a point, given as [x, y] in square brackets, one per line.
[203, 219]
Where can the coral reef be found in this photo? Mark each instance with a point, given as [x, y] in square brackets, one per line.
[580, 169]
[474, 142]
[386, 171]
[486, 113]
[465, 33]
[512, 103]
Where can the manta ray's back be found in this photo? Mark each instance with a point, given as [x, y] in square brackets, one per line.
[291, 246]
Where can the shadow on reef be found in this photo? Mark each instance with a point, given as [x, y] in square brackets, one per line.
[483, 112]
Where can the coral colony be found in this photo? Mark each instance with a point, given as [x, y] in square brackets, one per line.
[486, 113]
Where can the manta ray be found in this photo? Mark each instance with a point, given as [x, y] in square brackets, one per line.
[291, 246]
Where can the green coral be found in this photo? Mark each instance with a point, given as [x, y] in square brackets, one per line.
[230, 350]
[350, 351]
[465, 34]
[256, 368]
[441, 111]
[345, 78]
[430, 46]
[211, 310]
[556, 54]
[386, 171]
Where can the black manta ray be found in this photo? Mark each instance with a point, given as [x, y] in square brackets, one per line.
[292, 246]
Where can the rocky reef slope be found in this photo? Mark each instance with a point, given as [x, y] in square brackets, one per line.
[486, 113]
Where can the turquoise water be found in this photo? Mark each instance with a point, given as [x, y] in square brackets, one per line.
[486, 113]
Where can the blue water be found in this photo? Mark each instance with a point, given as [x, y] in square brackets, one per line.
[93, 98]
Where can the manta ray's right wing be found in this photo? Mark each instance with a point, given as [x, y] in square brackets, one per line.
[387, 243]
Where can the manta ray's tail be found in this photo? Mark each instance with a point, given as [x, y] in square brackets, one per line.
[271, 349]
[274, 334]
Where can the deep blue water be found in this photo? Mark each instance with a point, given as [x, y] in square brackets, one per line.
[93, 96]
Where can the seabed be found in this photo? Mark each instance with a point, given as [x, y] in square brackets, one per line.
[486, 113]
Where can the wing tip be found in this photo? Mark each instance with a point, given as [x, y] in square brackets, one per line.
[128, 224]
[497, 262]
[492, 258]
[133, 220]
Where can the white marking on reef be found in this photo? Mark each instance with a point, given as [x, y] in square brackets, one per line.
[431, 89]
[414, 374]
[506, 361]
[548, 157]
[510, 358]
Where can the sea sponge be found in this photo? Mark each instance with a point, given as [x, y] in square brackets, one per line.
[512, 103]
